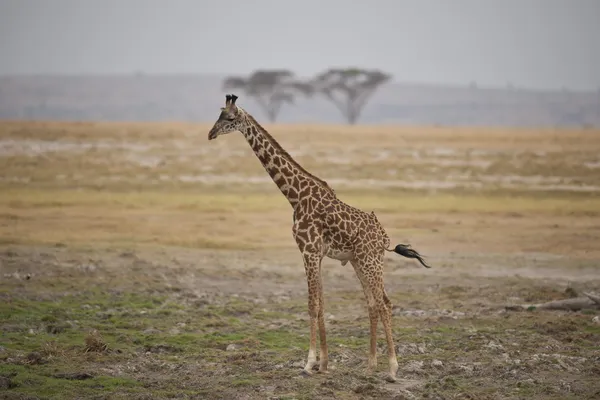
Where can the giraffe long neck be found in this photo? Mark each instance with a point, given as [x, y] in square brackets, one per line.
[291, 179]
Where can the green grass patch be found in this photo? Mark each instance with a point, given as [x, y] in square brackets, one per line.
[212, 200]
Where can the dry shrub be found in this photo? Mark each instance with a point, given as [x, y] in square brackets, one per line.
[51, 349]
[95, 343]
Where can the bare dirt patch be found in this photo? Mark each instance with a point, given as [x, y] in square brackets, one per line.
[168, 321]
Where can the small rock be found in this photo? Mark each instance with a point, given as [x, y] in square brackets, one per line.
[437, 363]
[34, 358]
[72, 324]
[494, 346]
[414, 366]
[181, 324]
[596, 320]
[105, 314]
[6, 383]
[364, 388]
[174, 331]
[76, 376]
[232, 347]
[468, 369]
[298, 364]
[525, 382]
[151, 331]
[410, 313]
[87, 267]
[330, 317]
[411, 348]
[161, 349]
[404, 394]
[86, 306]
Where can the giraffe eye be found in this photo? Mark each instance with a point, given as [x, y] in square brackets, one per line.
[227, 117]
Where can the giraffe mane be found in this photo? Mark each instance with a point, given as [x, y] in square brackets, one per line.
[285, 154]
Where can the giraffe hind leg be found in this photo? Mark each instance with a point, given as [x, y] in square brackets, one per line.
[373, 319]
[372, 269]
[385, 313]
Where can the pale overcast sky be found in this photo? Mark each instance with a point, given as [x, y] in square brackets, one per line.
[530, 43]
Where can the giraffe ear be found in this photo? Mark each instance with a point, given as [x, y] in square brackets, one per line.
[233, 98]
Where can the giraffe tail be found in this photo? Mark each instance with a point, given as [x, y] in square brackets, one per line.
[405, 251]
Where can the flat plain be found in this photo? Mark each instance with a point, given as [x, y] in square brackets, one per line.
[142, 261]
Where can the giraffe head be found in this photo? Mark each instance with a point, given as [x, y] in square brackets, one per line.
[231, 119]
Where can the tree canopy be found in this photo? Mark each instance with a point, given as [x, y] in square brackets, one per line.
[349, 89]
[270, 88]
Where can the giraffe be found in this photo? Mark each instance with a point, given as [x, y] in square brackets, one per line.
[324, 226]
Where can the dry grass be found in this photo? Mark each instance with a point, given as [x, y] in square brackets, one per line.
[222, 220]
[95, 343]
[116, 183]
[175, 157]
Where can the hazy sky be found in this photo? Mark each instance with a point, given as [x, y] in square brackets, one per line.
[530, 43]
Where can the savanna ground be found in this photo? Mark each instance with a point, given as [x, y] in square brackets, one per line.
[142, 261]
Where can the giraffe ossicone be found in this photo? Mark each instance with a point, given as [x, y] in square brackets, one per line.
[324, 226]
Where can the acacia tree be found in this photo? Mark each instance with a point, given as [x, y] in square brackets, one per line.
[270, 88]
[349, 89]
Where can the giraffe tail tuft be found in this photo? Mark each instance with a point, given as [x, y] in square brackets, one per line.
[406, 251]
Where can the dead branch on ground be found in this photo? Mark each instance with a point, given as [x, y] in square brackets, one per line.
[589, 302]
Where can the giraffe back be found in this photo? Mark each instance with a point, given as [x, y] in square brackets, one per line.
[385, 239]
[345, 226]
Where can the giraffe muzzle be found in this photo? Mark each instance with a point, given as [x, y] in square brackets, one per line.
[212, 135]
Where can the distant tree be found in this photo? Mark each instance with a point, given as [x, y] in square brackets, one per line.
[349, 89]
[270, 88]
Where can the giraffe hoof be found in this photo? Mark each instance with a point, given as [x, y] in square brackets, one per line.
[323, 371]
[372, 368]
[390, 378]
[306, 372]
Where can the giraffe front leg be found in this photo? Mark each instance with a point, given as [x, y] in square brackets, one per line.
[314, 311]
[324, 355]
[308, 237]
[312, 350]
